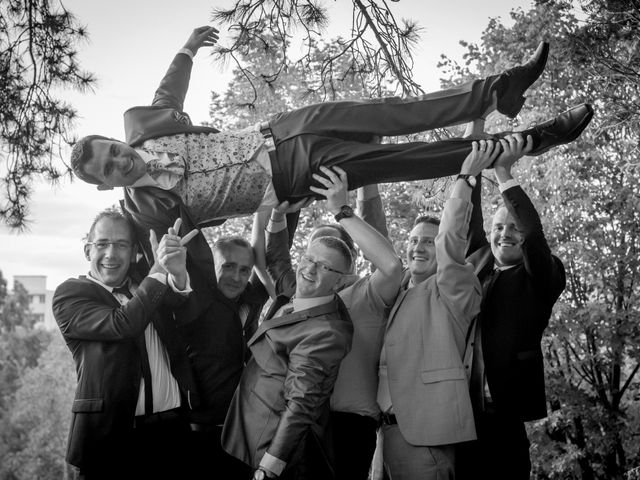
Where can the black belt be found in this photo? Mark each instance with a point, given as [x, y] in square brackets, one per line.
[388, 419]
[265, 130]
[159, 417]
[200, 427]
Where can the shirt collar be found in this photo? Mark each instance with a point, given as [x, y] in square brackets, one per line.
[306, 303]
[126, 282]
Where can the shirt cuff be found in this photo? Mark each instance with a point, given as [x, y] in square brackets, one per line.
[275, 227]
[272, 464]
[512, 182]
[187, 289]
[187, 52]
[161, 277]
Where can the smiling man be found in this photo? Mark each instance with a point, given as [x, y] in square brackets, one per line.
[423, 392]
[134, 379]
[278, 414]
[521, 282]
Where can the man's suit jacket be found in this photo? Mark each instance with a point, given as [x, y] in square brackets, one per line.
[515, 310]
[104, 338]
[285, 388]
[425, 342]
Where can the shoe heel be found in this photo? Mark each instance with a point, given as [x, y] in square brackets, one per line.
[512, 108]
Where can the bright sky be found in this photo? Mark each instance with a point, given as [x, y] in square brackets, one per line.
[131, 45]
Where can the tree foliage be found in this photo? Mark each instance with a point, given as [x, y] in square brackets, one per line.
[38, 47]
[378, 50]
[35, 430]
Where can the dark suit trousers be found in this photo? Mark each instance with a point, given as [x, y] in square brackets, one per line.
[337, 133]
[501, 451]
[353, 439]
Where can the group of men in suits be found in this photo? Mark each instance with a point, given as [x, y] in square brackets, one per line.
[443, 357]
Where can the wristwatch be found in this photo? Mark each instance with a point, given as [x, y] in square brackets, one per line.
[470, 179]
[345, 212]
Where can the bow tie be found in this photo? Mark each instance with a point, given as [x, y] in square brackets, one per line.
[156, 167]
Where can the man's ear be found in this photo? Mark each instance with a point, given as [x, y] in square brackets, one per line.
[87, 249]
[102, 186]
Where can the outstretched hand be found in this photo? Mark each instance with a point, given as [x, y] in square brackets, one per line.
[337, 189]
[514, 147]
[170, 254]
[202, 37]
[483, 154]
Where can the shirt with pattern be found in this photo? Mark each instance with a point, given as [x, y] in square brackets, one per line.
[224, 175]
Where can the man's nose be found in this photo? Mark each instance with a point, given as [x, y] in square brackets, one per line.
[110, 250]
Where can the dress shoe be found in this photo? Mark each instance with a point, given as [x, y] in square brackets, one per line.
[565, 128]
[518, 79]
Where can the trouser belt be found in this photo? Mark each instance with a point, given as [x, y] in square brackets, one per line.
[388, 419]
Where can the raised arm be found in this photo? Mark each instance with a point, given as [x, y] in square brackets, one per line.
[457, 283]
[175, 83]
[375, 247]
[538, 260]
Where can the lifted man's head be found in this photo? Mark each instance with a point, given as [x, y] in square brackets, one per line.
[106, 162]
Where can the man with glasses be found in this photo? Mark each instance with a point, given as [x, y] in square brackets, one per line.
[277, 416]
[354, 409]
[134, 380]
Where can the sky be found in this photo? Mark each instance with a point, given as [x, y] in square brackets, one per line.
[131, 44]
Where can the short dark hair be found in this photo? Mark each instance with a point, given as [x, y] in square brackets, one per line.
[114, 213]
[338, 245]
[426, 219]
[226, 243]
[342, 235]
[81, 153]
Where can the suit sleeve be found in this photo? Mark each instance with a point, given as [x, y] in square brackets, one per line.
[83, 314]
[312, 370]
[279, 262]
[476, 239]
[458, 286]
[175, 83]
[544, 268]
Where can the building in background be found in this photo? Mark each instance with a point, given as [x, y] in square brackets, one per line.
[39, 298]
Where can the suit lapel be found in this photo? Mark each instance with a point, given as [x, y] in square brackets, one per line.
[292, 318]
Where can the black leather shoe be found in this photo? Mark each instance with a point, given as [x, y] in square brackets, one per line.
[565, 128]
[518, 79]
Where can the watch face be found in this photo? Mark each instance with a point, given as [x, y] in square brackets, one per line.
[471, 181]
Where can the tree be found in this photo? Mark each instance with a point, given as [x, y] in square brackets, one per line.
[378, 50]
[20, 347]
[36, 427]
[588, 196]
[38, 47]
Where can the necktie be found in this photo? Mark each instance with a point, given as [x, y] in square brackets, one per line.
[144, 358]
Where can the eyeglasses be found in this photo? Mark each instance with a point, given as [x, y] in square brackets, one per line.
[307, 260]
[121, 246]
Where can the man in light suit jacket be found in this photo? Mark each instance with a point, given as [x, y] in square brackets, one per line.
[277, 417]
[423, 391]
[225, 174]
[134, 379]
[521, 281]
